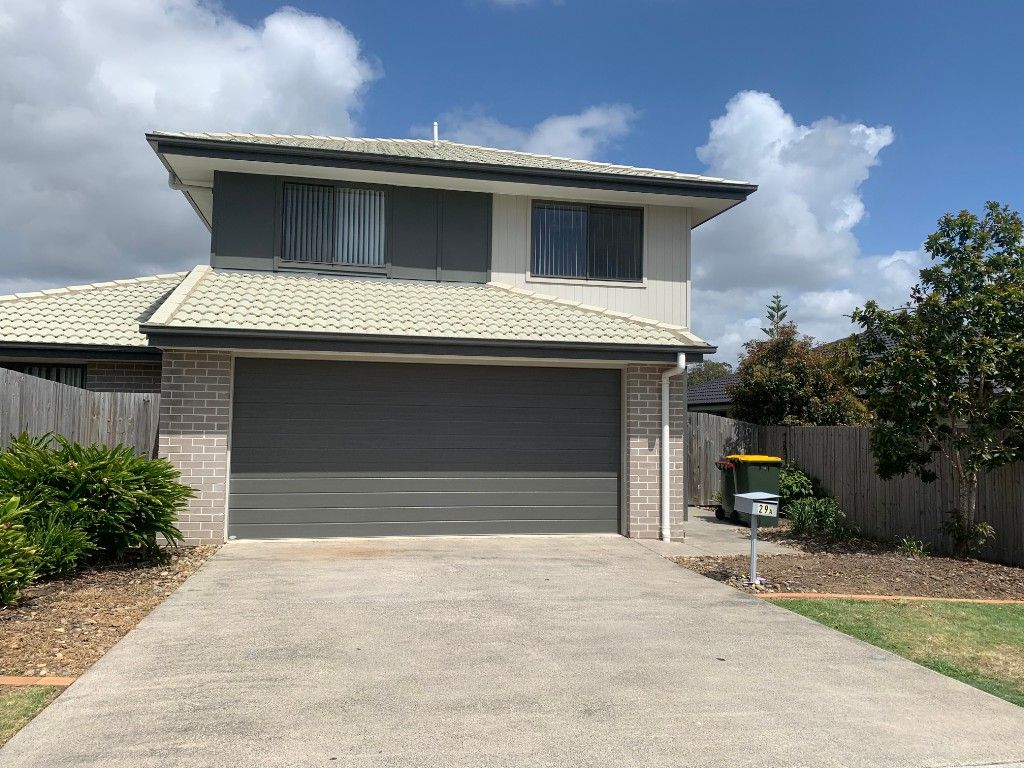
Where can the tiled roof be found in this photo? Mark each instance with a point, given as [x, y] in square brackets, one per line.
[267, 301]
[712, 392]
[425, 149]
[106, 314]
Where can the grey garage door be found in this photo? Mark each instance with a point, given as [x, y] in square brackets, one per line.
[330, 448]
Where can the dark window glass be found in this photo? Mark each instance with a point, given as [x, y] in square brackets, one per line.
[559, 240]
[589, 242]
[616, 243]
[333, 225]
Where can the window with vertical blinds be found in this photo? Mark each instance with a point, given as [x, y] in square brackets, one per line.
[586, 242]
[333, 225]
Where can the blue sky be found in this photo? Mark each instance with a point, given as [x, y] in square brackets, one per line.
[946, 76]
[862, 122]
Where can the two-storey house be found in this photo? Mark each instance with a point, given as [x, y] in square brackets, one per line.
[404, 337]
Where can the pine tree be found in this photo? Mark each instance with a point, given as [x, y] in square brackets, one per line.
[777, 312]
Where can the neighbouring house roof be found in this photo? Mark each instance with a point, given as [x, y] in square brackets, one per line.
[101, 314]
[450, 151]
[267, 302]
[712, 392]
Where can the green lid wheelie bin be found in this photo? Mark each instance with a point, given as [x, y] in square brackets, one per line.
[743, 473]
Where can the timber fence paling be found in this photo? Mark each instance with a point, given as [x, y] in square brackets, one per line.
[36, 406]
[840, 458]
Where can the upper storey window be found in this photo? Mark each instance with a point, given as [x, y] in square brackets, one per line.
[586, 242]
[333, 225]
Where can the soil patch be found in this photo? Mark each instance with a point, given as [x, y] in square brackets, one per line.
[62, 627]
[873, 572]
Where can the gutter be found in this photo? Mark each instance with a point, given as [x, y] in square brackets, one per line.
[224, 338]
[666, 464]
[36, 350]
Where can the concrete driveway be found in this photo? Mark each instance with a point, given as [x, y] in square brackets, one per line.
[545, 651]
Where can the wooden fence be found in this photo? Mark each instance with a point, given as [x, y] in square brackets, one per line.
[840, 457]
[34, 405]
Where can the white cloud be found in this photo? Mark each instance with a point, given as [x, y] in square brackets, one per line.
[585, 135]
[795, 234]
[83, 197]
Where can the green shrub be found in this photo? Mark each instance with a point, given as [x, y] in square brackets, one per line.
[968, 538]
[121, 501]
[17, 555]
[793, 484]
[820, 516]
[911, 547]
[61, 547]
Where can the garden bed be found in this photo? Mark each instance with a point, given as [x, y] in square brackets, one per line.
[62, 627]
[867, 573]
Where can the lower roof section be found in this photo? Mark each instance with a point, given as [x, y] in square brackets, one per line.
[230, 309]
[272, 310]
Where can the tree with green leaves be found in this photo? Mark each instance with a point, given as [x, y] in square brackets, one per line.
[944, 375]
[707, 370]
[777, 313]
[784, 380]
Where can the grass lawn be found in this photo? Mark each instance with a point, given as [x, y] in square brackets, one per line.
[19, 705]
[981, 645]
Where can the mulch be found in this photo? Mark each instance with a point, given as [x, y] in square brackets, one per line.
[61, 627]
[871, 570]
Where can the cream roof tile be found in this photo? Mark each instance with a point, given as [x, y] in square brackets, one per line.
[265, 301]
[106, 314]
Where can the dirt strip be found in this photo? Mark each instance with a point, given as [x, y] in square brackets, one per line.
[60, 628]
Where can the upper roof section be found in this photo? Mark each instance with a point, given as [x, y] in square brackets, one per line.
[97, 315]
[192, 158]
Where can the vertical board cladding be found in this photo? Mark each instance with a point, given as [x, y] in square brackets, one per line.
[664, 293]
[122, 376]
[195, 410]
[643, 451]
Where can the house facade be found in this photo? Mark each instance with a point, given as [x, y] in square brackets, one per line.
[403, 337]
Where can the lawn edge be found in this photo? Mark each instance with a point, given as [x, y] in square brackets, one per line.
[884, 598]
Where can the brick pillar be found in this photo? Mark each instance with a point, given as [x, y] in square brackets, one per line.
[643, 454]
[195, 409]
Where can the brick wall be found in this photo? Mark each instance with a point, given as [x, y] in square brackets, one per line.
[643, 455]
[195, 407]
[118, 376]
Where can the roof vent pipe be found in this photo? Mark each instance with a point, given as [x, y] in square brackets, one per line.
[666, 464]
[435, 133]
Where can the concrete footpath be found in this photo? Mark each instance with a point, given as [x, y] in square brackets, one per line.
[498, 651]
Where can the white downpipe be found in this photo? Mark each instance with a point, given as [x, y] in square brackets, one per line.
[666, 435]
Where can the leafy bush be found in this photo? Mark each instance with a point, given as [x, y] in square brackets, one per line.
[17, 555]
[820, 516]
[793, 485]
[61, 547]
[968, 537]
[121, 501]
[911, 547]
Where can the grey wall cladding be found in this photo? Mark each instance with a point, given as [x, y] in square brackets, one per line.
[431, 234]
[330, 448]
